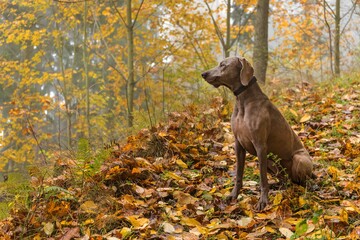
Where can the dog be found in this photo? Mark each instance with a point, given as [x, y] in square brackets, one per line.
[260, 129]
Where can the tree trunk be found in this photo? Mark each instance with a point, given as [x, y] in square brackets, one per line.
[228, 28]
[131, 79]
[260, 53]
[65, 93]
[337, 38]
[87, 111]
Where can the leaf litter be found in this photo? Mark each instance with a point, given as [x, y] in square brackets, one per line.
[171, 181]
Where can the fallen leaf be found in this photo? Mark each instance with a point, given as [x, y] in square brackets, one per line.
[302, 201]
[293, 112]
[334, 172]
[181, 163]
[278, 198]
[89, 207]
[71, 234]
[168, 228]
[184, 198]
[286, 232]
[193, 223]
[305, 118]
[245, 222]
[88, 221]
[173, 176]
[257, 233]
[48, 228]
[125, 232]
[344, 215]
[138, 222]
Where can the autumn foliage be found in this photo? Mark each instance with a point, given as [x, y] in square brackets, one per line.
[73, 73]
[170, 181]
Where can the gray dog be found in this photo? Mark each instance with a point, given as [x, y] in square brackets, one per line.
[259, 128]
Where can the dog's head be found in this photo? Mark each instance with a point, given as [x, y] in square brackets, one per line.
[232, 72]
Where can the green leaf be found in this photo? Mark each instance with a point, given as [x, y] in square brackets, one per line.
[301, 228]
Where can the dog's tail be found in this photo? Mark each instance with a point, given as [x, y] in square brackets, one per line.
[302, 167]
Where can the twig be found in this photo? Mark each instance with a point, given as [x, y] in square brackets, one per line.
[36, 139]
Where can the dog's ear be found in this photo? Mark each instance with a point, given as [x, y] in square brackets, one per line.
[246, 73]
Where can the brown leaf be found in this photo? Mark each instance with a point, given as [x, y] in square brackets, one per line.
[184, 198]
[71, 234]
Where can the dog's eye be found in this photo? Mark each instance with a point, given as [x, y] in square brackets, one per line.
[222, 65]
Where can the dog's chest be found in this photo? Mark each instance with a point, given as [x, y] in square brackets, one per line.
[242, 133]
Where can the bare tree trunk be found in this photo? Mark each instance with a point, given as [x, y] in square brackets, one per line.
[228, 28]
[330, 38]
[87, 111]
[337, 38]
[65, 93]
[131, 79]
[260, 53]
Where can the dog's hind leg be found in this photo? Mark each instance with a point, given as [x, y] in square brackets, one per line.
[302, 167]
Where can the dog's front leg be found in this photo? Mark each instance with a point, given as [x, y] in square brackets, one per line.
[264, 186]
[240, 163]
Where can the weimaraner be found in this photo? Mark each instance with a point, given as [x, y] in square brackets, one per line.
[259, 128]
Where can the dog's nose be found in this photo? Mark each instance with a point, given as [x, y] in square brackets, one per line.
[205, 74]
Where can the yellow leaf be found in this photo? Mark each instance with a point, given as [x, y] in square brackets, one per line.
[37, 237]
[138, 223]
[125, 231]
[286, 232]
[184, 198]
[270, 229]
[213, 190]
[143, 162]
[305, 118]
[89, 207]
[344, 215]
[193, 223]
[135, 170]
[173, 176]
[181, 163]
[294, 113]
[302, 201]
[334, 172]
[278, 199]
[162, 134]
[190, 222]
[89, 221]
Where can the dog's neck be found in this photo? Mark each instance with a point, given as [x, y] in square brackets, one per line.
[243, 88]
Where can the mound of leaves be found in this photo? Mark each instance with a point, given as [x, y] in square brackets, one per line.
[171, 181]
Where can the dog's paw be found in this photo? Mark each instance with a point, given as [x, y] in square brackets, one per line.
[233, 195]
[261, 205]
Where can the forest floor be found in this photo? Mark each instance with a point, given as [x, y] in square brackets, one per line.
[171, 181]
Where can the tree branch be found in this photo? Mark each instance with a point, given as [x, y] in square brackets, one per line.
[107, 49]
[119, 13]
[217, 29]
[331, 12]
[137, 13]
[351, 14]
[243, 24]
